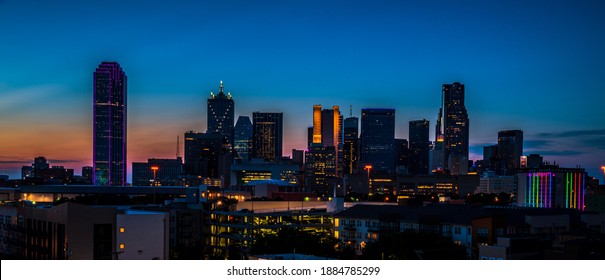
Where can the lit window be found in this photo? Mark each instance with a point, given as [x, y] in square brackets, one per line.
[122, 246]
[122, 230]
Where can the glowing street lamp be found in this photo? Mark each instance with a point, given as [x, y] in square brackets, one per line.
[155, 171]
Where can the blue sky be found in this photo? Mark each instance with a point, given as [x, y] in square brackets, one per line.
[530, 65]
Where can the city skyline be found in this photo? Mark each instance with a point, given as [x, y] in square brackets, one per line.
[520, 68]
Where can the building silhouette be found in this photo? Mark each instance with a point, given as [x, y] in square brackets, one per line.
[535, 161]
[490, 157]
[453, 128]
[167, 172]
[206, 155]
[109, 125]
[221, 114]
[351, 145]
[510, 150]
[419, 147]
[402, 156]
[267, 135]
[242, 138]
[377, 139]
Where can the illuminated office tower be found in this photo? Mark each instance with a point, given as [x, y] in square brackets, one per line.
[221, 114]
[320, 169]
[552, 187]
[378, 139]
[243, 137]
[453, 128]
[109, 125]
[267, 136]
[327, 131]
[510, 150]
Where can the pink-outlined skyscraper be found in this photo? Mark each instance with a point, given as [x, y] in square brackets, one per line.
[109, 125]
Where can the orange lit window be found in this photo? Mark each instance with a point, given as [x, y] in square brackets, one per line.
[122, 246]
[122, 230]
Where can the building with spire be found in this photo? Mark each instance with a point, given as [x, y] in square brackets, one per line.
[109, 125]
[453, 128]
[220, 111]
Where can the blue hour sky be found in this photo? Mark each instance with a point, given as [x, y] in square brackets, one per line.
[538, 66]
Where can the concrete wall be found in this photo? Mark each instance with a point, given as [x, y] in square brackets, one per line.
[143, 235]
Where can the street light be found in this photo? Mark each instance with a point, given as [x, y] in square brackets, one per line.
[155, 171]
[603, 167]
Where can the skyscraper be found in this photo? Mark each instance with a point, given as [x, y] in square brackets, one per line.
[206, 155]
[419, 147]
[327, 131]
[377, 139]
[453, 128]
[243, 137]
[109, 125]
[351, 144]
[221, 114]
[490, 157]
[267, 135]
[402, 153]
[510, 150]
[320, 169]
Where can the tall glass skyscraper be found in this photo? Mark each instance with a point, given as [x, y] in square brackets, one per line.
[243, 137]
[267, 135]
[453, 128]
[378, 139]
[221, 114]
[109, 125]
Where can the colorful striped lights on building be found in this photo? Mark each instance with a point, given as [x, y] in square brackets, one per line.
[539, 192]
[574, 190]
[555, 189]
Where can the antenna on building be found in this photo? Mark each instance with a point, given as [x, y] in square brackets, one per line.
[177, 146]
[350, 110]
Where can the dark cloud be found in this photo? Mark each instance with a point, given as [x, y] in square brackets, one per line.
[15, 162]
[536, 143]
[555, 153]
[573, 133]
[594, 142]
[51, 161]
